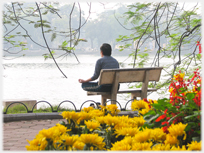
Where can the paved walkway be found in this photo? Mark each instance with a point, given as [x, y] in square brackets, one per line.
[16, 133]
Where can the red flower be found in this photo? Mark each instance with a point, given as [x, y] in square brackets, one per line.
[161, 117]
[165, 129]
[167, 123]
[200, 49]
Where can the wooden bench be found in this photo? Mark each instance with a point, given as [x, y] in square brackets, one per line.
[116, 76]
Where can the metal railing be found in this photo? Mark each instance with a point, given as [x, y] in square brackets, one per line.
[66, 101]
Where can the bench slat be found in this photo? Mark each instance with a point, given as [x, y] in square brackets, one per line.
[120, 92]
[107, 76]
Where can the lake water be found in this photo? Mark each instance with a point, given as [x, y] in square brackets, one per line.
[37, 79]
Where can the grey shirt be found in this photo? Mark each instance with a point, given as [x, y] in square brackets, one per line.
[106, 62]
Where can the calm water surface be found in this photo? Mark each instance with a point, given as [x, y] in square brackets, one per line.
[34, 78]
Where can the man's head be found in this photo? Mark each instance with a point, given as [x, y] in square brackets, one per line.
[106, 49]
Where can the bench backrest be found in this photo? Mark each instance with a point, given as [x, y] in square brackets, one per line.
[108, 76]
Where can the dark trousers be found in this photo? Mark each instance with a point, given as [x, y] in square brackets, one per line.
[93, 86]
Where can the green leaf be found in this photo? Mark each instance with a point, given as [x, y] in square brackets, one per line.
[191, 116]
[196, 139]
[158, 106]
[190, 96]
[53, 36]
[64, 44]
[153, 118]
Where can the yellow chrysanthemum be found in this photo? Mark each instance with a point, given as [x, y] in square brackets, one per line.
[142, 136]
[174, 148]
[123, 145]
[152, 101]
[50, 133]
[121, 125]
[101, 119]
[87, 109]
[69, 140]
[113, 109]
[158, 135]
[70, 115]
[144, 111]
[96, 113]
[36, 144]
[85, 116]
[161, 147]
[172, 140]
[111, 120]
[177, 130]
[61, 128]
[78, 145]
[128, 131]
[138, 105]
[142, 146]
[92, 140]
[92, 125]
[194, 145]
[137, 121]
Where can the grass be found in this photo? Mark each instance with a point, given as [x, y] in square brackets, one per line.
[18, 109]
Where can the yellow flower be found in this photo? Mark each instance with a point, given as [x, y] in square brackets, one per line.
[160, 147]
[137, 121]
[177, 130]
[111, 120]
[142, 146]
[61, 128]
[32, 148]
[194, 145]
[103, 108]
[96, 113]
[121, 125]
[179, 76]
[144, 111]
[172, 140]
[101, 119]
[174, 148]
[158, 135]
[123, 145]
[68, 140]
[113, 108]
[85, 116]
[139, 105]
[39, 143]
[92, 125]
[50, 133]
[171, 89]
[87, 109]
[78, 145]
[142, 136]
[127, 131]
[92, 140]
[70, 116]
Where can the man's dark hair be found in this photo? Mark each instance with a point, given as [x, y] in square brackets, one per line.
[106, 49]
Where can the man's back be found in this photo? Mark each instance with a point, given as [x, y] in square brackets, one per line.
[106, 62]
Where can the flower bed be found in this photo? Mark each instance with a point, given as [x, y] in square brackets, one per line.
[164, 124]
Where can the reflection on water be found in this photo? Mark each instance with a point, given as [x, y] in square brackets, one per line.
[34, 78]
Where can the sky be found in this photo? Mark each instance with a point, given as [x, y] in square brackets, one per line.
[100, 6]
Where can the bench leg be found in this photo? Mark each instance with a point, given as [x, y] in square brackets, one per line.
[103, 100]
[133, 97]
